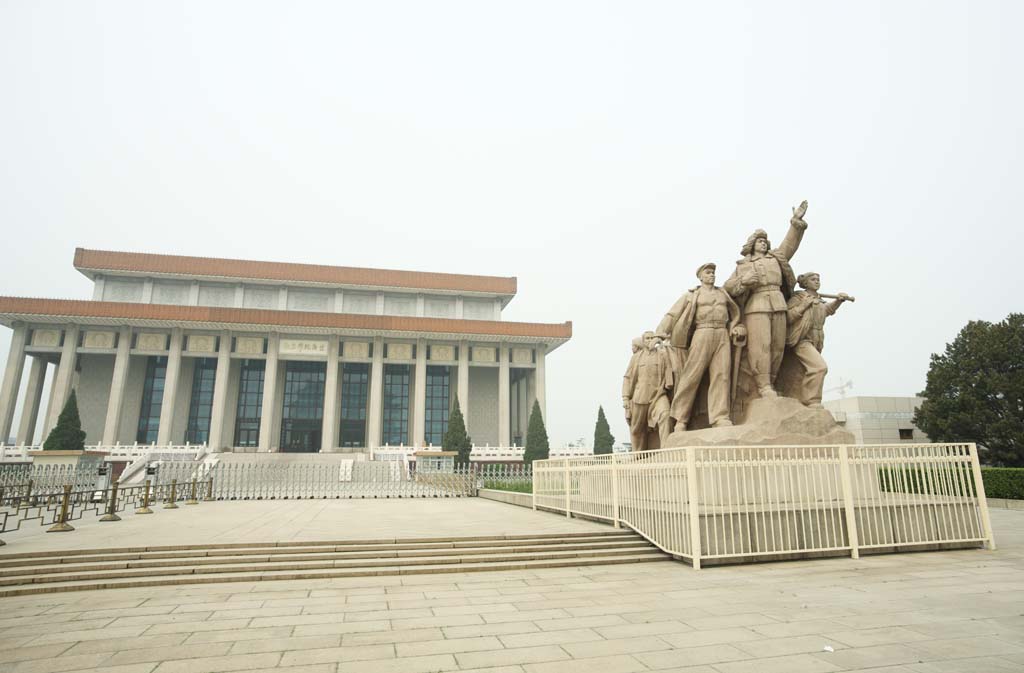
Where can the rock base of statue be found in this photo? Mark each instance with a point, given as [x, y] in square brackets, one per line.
[770, 422]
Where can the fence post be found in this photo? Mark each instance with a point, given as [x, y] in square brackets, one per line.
[174, 493]
[566, 481]
[979, 491]
[28, 491]
[111, 514]
[694, 506]
[209, 488]
[615, 490]
[192, 500]
[145, 501]
[533, 486]
[62, 525]
[851, 514]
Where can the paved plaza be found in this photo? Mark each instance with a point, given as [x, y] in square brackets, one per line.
[902, 613]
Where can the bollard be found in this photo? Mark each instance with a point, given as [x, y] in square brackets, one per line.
[174, 492]
[111, 514]
[192, 500]
[145, 501]
[62, 525]
[209, 489]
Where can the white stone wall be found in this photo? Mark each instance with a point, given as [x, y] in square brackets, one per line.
[483, 405]
[439, 307]
[478, 309]
[93, 393]
[310, 300]
[215, 294]
[122, 289]
[878, 420]
[260, 297]
[170, 292]
[360, 302]
[399, 304]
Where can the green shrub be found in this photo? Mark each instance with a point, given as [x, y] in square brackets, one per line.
[517, 487]
[1004, 482]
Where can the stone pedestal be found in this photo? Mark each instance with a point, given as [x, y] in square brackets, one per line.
[779, 421]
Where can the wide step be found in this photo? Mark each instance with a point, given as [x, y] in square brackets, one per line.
[77, 570]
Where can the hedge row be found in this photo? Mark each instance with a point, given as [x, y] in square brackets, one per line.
[1004, 482]
[517, 487]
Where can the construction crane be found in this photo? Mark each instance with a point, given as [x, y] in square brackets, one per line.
[841, 388]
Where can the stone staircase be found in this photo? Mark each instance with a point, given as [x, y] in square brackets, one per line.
[84, 569]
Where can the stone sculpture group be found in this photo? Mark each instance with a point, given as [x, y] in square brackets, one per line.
[720, 352]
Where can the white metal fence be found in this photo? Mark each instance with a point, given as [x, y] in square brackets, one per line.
[717, 503]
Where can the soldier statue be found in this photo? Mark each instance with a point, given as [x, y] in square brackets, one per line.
[761, 284]
[806, 314]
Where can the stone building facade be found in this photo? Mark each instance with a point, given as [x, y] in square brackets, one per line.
[267, 356]
[879, 420]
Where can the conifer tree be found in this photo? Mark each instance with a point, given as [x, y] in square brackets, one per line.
[455, 437]
[67, 435]
[603, 438]
[536, 437]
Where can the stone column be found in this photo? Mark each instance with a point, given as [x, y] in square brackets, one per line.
[115, 401]
[269, 395]
[65, 375]
[374, 415]
[329, 432]
[12, 380]
[539, 384]
[419, 408]
[33, 398]
[463, 385]
[504, 424]
[220, 392]
[172, 376]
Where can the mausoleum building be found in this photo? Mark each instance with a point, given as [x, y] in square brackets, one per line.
[269, 356]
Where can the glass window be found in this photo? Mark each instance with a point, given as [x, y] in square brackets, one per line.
[250, 403]
[355, 378]
[200, 407]
[396, 404]
[303, 413]
[152, 398]
[438, 404]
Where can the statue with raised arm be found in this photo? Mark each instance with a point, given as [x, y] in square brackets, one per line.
[761, 285]
[700, 324]
[806, 313]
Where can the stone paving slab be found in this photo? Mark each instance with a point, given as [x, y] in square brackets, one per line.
[935, 612]
[299, 520]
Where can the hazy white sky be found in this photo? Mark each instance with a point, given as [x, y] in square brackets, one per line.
[597, 151]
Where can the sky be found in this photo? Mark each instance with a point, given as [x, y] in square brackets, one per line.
[599, 152]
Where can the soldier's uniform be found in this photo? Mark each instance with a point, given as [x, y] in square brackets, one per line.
[806, 313]
[643, 390]
[708, 351]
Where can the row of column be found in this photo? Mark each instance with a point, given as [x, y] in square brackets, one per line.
[64, 377]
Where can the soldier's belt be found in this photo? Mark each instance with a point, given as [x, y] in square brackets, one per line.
[712, 325]
[767, 288]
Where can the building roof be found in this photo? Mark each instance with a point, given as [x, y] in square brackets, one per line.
[94, 262]
[25, 309]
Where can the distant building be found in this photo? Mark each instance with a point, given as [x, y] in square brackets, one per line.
[270, 356]
[879, 420]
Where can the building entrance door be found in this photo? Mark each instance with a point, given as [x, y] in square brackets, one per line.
[303, 412]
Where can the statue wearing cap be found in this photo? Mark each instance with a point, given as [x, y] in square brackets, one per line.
[700, 324]
[806, 314]
[761, 284]
[645, 393]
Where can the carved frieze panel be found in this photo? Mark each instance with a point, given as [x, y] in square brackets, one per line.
[360, 302]
[399, 351]
[397, 304]
[474, 309]
[151, 341]
[260, 297]
[46, 338]
[95, 339]
[303, 347]
[522, 356]
[249, 345]
[484, 354]
[439, 307]
[201, 343]
[302, 300]
[357, 349]
[442, 353]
